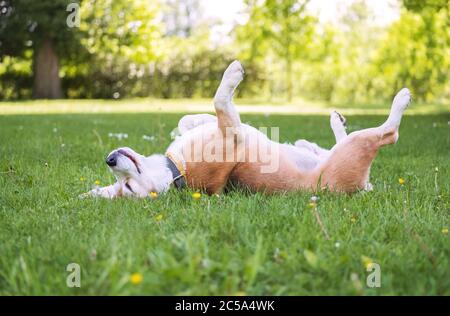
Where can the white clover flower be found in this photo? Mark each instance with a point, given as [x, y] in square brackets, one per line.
[148, 138]
[175, 133]
[119, 136]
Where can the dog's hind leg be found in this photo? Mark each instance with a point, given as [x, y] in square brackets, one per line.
[390, 128]
[227, 114]
[347, 168]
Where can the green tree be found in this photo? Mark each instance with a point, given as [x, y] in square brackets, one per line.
[356, 42]
[416, 52]
[120, 28]
[112, 36]
[280, 27]
[39, 26]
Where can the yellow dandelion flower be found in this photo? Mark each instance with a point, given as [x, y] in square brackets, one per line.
[136, 278]
[445, 231]
[82, 179]
[153, 195]
[353, 220]
[159, 217]
[196, 195]
[311, 258]
[312, 204]
[366, 261]
[401, 181]
[97, 182]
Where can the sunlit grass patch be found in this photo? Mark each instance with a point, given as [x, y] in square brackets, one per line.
[249, 106]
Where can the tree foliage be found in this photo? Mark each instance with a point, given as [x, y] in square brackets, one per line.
[164, 48]
[38, 27]
[24, 24]
[420, 60]
[280, 28]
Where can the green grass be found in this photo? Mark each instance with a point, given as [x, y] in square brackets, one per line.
[235, 243]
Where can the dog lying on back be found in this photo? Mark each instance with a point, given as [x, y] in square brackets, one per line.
[213, 151]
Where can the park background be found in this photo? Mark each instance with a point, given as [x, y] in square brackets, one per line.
[133, 68]
[339, 52]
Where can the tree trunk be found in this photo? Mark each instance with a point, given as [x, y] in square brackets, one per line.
[47, 84]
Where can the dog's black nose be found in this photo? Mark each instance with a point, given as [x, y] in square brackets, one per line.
[111, 160]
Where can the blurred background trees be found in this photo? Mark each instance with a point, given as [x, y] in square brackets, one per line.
[169, 49]
[35, 31]
[280, 29]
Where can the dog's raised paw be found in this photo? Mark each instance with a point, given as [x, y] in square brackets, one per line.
[234, 73]
[402, 99]
[337, 120]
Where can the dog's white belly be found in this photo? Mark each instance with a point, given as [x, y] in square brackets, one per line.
[303, 158]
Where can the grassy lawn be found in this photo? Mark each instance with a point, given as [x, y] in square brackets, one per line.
[237, 243]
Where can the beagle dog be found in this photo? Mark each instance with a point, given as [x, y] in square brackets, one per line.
[213, 151]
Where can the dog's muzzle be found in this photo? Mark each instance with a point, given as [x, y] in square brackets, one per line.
[111, 160]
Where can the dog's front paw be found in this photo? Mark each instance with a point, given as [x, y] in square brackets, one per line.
[234, 74]
[85, 195]
[93, 193]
